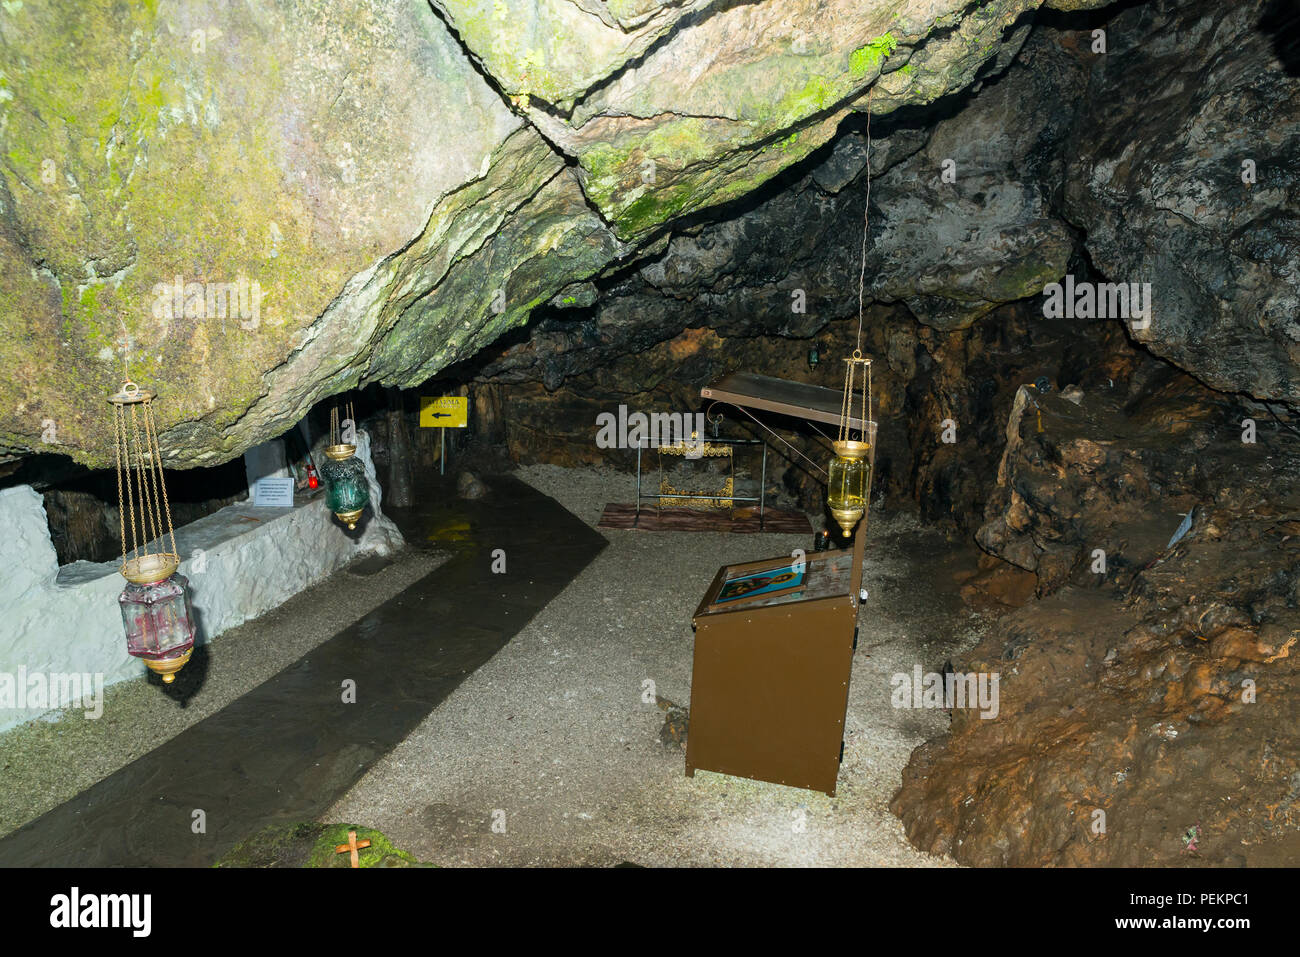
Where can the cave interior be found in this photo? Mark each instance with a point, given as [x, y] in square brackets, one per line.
[1073, 257]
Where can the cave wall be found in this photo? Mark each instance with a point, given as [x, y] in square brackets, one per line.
[576, 205]
[1184, 173]
[1148, 711]
[1038, 192]
[923, 379]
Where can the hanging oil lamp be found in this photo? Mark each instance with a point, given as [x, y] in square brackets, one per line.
[155, 605]
[849, 484]
[848, 491]
[346, 490]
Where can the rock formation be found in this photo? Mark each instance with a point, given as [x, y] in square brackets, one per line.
[1156, 689]
[252, 208]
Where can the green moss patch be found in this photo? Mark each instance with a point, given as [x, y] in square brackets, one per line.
[866, 58]
[312, 844]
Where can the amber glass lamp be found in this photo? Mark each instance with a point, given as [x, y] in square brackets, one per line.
[849, 484]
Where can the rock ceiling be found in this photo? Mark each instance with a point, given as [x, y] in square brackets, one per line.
[257, 206]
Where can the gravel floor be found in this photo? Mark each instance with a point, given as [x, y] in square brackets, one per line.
[549, 755]
[47, 761]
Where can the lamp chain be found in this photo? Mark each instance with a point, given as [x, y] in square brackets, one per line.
[146, 504]
[336, 435]
[147, 472]
[868, 430]
[123, 505]
[156, 454]
[844, 401]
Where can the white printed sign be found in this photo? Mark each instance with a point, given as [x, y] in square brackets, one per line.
[272, 491]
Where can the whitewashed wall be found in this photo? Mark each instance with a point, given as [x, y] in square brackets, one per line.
[65, 620]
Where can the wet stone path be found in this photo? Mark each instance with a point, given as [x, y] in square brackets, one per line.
[288, 749]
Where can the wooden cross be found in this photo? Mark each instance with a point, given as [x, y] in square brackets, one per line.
[352, 845]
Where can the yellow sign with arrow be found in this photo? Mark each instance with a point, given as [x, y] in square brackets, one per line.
[446, 412]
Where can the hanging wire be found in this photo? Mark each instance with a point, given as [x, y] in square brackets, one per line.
[867, 432]
[862, 275]
[866, 222]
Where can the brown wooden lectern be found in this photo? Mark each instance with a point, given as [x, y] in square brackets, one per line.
[771, 682]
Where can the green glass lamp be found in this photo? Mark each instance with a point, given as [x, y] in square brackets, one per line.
[347, 492]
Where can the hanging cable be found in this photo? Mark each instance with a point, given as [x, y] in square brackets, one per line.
[866, 221]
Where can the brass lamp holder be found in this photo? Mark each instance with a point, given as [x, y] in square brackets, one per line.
[851, 449]
[340, 451]
[150, 569]
[146, 493]
[857, 392]
[167, 667]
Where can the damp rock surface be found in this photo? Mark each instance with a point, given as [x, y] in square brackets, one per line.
[1203, 204]
[1031, 174]
[1155, 689]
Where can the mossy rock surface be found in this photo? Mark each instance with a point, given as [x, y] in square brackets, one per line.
[312, 844]
[261, 205]
[159, 159]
